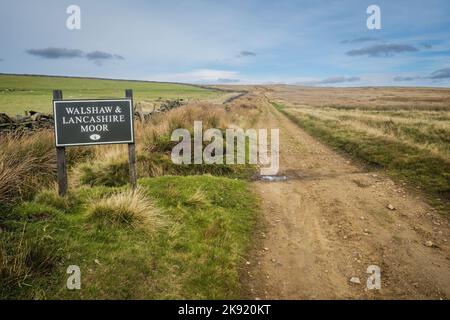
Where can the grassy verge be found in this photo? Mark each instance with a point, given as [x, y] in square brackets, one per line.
[193, 251]
[423, 169]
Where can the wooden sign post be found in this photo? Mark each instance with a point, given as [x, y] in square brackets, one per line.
[61, 157]
[93, 122]
[131, 149]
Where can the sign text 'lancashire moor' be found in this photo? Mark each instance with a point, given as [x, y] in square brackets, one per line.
[89, 122]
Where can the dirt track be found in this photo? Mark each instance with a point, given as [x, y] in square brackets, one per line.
[329, 221]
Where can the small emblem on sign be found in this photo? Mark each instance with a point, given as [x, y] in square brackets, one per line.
[95, 137]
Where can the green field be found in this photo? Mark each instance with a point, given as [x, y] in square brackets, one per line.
[23, 93]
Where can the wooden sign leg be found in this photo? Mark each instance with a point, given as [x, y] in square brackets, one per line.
[62, 171]
[132, 162]
[132, 149]
[61, 157]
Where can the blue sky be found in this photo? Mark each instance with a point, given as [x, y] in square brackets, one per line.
[324, 43]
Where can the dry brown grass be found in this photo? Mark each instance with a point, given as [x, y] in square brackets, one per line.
[129, 207]
[420, 132]
[379, 98]
[406, 131]
[198, 199]
[212, 116]
[26, 164]
[108, 166]
[417, 117]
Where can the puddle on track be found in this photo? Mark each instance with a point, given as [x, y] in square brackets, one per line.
[273, 178]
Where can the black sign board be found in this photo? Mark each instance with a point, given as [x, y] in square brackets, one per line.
[91, 122]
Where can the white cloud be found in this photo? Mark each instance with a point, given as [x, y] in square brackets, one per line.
[200, 76]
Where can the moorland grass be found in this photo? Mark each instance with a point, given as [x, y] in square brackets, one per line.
[28, 164]
[403, 159]
[196, 254]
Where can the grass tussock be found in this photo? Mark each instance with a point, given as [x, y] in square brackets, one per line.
[198, 199]
[129, 207]
[109, 168]
[26, 164]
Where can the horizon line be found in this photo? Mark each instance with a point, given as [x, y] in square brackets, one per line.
[209, 85]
